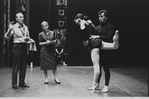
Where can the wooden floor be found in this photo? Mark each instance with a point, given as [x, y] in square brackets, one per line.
[75, 80]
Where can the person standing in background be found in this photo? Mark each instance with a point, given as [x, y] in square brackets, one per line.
[31, 51]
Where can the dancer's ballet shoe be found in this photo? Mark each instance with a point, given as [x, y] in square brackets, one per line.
[116, 39]
[94, 87]
[116, 36]
[105, 89]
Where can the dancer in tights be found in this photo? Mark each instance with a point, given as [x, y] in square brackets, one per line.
[95, 44]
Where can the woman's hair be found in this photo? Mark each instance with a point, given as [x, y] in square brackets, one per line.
[19, 14]
[81, 16]
[44, 22]
[103, 11]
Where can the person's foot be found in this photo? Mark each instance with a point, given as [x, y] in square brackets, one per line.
[14, 86]
[105, 89]
[116, 39]
[116, 36]
[46, 81]
[94, 87]
[24, 85]
[64, 64]
[57, 81]
[31, 64]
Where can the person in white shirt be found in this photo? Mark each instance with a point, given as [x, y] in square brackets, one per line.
[20, 34]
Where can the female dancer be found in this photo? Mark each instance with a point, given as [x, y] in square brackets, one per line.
[94, 43]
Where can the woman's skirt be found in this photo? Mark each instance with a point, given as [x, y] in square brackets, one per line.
[48, 59]
[96, 43]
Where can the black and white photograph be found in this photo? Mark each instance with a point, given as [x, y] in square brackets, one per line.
[74, 48]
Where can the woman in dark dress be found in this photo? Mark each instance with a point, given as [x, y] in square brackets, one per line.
[47, 52]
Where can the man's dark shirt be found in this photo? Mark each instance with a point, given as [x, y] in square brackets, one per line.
[106, 33]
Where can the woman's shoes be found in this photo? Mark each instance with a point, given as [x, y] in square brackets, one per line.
[57, 81]
[46, 82]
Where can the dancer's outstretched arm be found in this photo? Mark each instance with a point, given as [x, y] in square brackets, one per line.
[111, 46]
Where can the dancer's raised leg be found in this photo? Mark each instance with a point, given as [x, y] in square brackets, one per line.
[114, 45]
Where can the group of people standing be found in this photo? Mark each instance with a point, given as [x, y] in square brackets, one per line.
[21, 38]
[97, 38]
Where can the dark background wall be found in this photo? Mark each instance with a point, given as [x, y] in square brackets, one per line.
[39, 11]
[1, 30]
[128, 16]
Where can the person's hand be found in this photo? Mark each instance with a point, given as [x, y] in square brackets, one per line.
[48, 42]
[31, 40]
[9, 32]
[92, 37]
[86, 42]
[54, 41]
[82, 24]
[89, 21]
[11, 25]
[27, 39]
